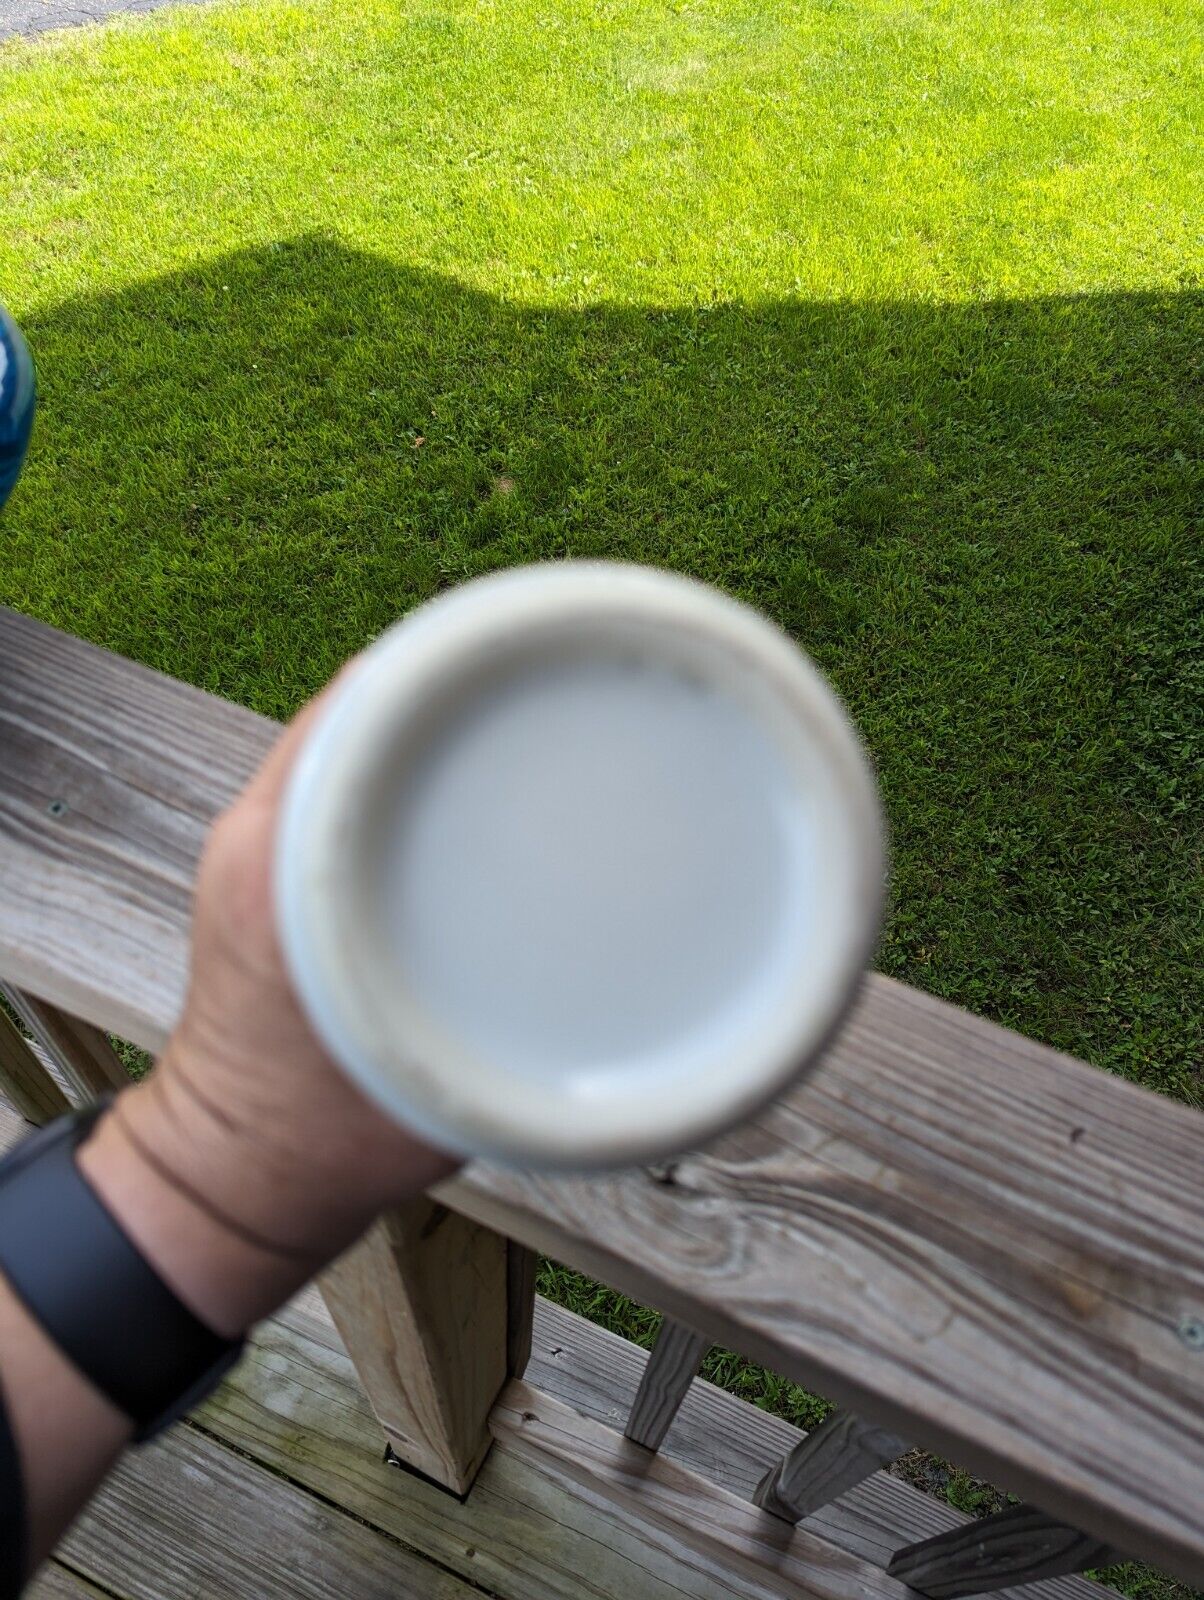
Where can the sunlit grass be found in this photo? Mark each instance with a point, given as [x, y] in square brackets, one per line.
[885, 316]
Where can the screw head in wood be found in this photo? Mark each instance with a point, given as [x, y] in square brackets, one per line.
[1191, 1331]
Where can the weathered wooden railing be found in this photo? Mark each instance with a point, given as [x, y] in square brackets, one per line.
[968, 1240]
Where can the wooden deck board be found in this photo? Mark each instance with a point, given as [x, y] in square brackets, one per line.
[627, 1531]
[725, 1440]
[187, 1516]
[732, 1442]
[55, 1582]
[979, 1242]
[563, 1507]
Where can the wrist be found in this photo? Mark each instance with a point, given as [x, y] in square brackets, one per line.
[226, 1278]
[286, 1155]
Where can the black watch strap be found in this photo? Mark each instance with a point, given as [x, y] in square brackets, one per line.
[92, 1291]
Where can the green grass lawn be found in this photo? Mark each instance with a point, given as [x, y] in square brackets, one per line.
[885, 316]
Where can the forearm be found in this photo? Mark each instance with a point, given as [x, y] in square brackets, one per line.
[67, 1433]
[180, 1208]
[243, 1164]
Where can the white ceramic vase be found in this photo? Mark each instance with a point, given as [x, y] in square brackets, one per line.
[582, 865]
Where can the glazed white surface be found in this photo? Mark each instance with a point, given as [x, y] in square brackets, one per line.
[600, 867]
[583, 864]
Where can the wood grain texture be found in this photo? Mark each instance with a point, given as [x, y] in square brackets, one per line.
[110, 779]
[83, 1054]
[295, 1405]
[980, 1242]
[841, 1452]
[421, 1304]
[185, 1516]
[521, 1268]
[1018, 1545]
[653, 1500]
[563, 1507]
[25, 1080]
[724, 1439]
[54, 1582]
[668, 1375]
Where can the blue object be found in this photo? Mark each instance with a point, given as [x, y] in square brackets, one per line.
[16, 402]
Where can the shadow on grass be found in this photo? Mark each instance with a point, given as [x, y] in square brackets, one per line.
[978, 517]
[982, 519]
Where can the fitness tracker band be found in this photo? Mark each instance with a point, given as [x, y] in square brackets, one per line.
[105, 1307]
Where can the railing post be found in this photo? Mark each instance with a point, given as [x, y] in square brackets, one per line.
[25, 1080]
[82, 1053]
[1015, 1546]
[521, 1267]
[676, 1357]
[422, 1304]
[830, 1460]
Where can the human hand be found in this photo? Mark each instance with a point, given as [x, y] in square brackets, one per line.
[245, 1119]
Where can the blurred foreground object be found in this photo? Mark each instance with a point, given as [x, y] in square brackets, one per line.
[16, 402]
